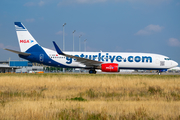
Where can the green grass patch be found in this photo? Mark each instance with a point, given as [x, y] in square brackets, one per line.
[78, 99]
[154, 90]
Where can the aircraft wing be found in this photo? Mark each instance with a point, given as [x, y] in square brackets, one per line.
[84, 61]
[17, 52]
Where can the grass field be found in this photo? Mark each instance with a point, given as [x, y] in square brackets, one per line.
[84, 96]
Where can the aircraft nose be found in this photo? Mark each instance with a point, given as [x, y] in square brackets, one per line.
[175, 63]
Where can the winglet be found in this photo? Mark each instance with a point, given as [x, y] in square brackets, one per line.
[58, 50]
[19, 26]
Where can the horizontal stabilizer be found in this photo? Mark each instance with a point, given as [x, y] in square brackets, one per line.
[17, 52]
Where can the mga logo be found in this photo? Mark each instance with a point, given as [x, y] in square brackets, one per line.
[110, 67]
[26, 41]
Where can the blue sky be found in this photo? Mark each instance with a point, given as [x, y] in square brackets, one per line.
[151, 26]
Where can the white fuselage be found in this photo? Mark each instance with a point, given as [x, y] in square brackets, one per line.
[125, 60]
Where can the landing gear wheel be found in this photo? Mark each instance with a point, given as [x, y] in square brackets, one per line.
[158, 72]
[92, 71]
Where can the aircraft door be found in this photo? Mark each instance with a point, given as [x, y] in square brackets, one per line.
[41, 57]
[157, 60]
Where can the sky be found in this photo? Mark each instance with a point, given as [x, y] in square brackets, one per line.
[148, 26]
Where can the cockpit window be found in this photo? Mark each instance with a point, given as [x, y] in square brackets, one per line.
[167, 59]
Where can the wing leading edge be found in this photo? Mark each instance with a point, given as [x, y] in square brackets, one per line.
[84, 61]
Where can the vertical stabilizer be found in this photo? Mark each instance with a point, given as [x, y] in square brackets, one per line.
[25, 39]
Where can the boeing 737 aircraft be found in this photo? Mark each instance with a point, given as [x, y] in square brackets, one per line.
[105, 61]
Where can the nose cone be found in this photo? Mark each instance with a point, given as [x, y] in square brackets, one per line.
[175, 64]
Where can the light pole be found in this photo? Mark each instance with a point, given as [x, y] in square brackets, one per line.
[80, 43]
[73, 44]
[85, 45]
[63, 37]
[63, 43]
[73, 39]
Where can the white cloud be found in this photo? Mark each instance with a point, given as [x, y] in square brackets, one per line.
[59, 33]
[150, 29]
[143, 32]
[155, 28]
[79, 33]
[66, 2]
[41, 3]
[30, 20]
[178, 3]
[2, 46]
[29, 4]
[173, 42]
[145, 1]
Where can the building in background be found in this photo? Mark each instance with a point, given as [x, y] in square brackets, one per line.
[19, 67]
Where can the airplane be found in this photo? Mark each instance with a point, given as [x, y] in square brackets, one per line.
[104, 61]
[176, 69]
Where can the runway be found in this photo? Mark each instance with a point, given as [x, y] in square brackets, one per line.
[138, 73]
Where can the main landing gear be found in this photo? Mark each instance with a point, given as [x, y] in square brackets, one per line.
[92, 71]
[159, 72]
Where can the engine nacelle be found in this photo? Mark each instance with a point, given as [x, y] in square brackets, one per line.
[109, 67]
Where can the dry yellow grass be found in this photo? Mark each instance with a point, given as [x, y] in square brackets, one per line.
[47, 96]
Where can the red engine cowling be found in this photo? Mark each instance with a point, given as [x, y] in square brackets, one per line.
[110, 67]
